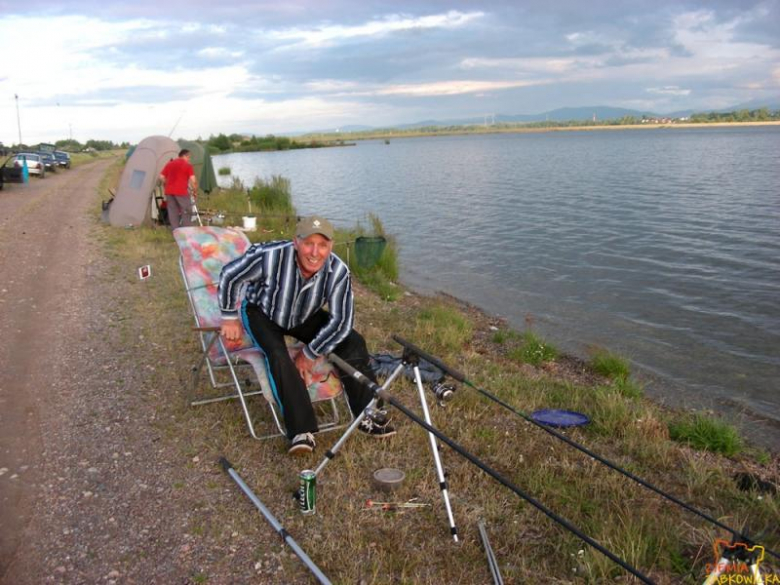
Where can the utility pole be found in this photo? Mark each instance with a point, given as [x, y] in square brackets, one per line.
[18, 120]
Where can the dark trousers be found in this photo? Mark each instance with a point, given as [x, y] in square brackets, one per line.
[296, 405]
[179, 210]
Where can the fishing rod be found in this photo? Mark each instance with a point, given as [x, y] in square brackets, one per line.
[455, 374]
[378, 391]
[227, 466]
[177, 123]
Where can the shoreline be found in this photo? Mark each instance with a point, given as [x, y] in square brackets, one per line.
[661, 391]
[471, 130]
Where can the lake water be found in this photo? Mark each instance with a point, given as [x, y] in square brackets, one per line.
[662, 245]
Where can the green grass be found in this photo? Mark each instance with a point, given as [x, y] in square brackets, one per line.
[272, 196]
[534, 350]
[610, 365]
[444, 327]
[223, 171]
[628, 388]
[704, 432]
[503, 336]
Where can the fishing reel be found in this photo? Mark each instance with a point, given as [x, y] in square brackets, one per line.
[443, 392]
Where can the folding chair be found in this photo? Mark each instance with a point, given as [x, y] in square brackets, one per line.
[204, 250]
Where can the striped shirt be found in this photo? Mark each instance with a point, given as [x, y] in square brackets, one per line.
[267, 276]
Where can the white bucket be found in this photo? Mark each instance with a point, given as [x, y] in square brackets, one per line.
[250, 223]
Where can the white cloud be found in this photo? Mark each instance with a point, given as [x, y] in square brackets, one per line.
[331, 34]
[531, 64]
[668, 90]
[219, 53]
[446, 88]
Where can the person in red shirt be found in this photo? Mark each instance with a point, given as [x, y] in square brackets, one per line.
[178, 177]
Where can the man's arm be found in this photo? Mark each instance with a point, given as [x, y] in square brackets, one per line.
[232, 279]
[193, 181]
[341, 307]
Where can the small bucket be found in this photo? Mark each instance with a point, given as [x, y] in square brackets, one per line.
[250, 223]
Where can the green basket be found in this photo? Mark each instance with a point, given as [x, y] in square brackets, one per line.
[368, 250]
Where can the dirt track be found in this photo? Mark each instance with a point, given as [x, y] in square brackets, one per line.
[46, 261]
[73, 466]
[93, 488]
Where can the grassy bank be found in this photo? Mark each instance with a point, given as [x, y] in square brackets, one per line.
[353, 544]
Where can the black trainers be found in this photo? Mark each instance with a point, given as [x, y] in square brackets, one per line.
[302, 444]
[377, 425]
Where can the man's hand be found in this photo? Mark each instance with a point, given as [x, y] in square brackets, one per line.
[303, 365]
[231, 329]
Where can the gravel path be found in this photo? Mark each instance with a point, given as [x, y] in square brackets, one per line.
[79, 471]
[95, 486]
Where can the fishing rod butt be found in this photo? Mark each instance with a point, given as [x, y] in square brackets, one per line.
[225, 464]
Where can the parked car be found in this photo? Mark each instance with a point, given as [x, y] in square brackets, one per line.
[9, 173]
[35, 164]
[49, 161]
[63, 158]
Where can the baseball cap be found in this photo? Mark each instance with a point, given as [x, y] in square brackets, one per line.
[314, 224]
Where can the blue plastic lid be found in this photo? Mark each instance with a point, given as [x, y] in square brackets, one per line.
[559, 418]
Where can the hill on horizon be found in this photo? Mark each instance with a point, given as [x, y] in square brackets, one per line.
[567, 114]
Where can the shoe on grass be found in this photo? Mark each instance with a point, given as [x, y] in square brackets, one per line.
[377, 424]
[302, 444]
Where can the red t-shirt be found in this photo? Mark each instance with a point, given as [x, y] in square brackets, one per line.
[177, 174]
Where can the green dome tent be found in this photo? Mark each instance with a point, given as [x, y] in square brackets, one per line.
[204, 167]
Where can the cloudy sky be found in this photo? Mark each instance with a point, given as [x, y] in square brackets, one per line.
[124, 70]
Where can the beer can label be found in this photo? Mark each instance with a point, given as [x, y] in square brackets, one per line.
[307, 495]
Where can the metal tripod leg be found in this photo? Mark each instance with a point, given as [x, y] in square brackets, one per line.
[435, 450]
[333, 451]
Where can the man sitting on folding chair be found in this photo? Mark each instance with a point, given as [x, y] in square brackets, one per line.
[285, 285]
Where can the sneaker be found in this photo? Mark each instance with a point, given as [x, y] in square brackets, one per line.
[377, 425]
[302, 444]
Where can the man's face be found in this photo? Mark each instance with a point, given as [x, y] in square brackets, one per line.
[312, 253]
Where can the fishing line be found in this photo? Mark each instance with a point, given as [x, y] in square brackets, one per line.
[461, 378]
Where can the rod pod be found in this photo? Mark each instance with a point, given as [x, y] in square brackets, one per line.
[360, 377]
[461, 378]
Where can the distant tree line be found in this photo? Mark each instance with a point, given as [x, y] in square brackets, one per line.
[239, 143]
[71, 145]
[759, 115]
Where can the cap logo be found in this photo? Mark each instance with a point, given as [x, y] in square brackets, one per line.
[316, 223]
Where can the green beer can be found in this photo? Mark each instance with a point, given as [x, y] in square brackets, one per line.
[307, 493]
